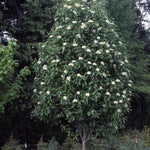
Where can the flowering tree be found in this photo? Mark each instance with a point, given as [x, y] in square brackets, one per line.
[82, 76]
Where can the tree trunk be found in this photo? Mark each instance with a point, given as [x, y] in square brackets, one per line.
[83, 144]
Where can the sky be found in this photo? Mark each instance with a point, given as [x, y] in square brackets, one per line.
[146, 16]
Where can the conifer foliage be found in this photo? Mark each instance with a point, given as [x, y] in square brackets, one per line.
[82, 78]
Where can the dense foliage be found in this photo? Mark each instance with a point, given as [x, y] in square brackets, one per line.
[81, 75]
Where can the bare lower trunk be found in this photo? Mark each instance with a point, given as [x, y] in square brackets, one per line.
[84, 133]
[83, 145]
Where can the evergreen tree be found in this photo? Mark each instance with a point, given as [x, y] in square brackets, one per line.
[29, 22]
[82, 78]
[128, 18]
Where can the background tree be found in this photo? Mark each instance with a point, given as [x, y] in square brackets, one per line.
[129, 20]
[29, 22]
[9, 84]
[82, 78]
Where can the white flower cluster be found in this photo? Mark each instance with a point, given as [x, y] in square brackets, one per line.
[87, 94]
[55, 61]
[65, 97]
[98, 52]
[80, 58]
[42, 83]
[83, 25]
[124, 73]
[74, 44]
[39, 62]
[69, 27]
[75, 101]
[45, 67]
[48, 92]
[78, 36]
[71, 64]
[77, 5]
[68, 78]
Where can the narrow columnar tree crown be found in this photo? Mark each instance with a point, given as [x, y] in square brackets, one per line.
[82, 78]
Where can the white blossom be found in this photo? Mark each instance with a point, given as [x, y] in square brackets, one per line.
[78, 35]
[88, 50]
[75, 100]
[115, 102]
[97, 69]
[113, 83]
[73, 61]
[90, 21]
[59, 37]
[111, 60]
[84, 0]
[69, 27]
[79, 75]
[77, 5]
[80, 58]
[65, 97]
[98, 29]
[43, 46]
[78, 92]
[124, 73]
[83, 47]
[40, 92]
[114, 65]
[129, 84]
[45, 67]
[68, 78]
[38, 103]
[65, 71]
[35, 90]
[104, 75]
[100, 87]
[107, 93]
[95, 41]
[74, 22]
[117, 80]
[69, 7]
[57, 60]
[107, 51]
[83, 8]
[39, 62]
[89, 63]
[124, 92]
[42, 83]
[70, 64]
[120, 42]
[89, 72]
[87, 94]
[126, 105]
[102, 63]
[98, 37]
[120, 101]
[64, 44]
[93, 12]
[102, 43]
[94, 64]
[98, 52]
[118, 94]
[119, 110]
[83, 25]
[48, 92]
[51, 36]
[75, 44]
[75, 12]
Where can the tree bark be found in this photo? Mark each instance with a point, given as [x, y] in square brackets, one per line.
[83, 144]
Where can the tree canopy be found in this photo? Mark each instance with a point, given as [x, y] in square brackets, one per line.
[82, 76]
